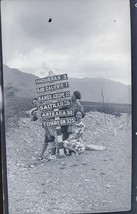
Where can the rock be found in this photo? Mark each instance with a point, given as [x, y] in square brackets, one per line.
[86, 179]
[44, 192]
[42, 184]
[102, 173]
[75, 164]
[36, 153]
[62, 167]
[107, 186]
[63, 163]
[33, 158]
[84, 164]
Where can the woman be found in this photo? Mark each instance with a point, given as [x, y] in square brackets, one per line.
[75, 142]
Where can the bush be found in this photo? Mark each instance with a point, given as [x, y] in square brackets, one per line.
[15, 106]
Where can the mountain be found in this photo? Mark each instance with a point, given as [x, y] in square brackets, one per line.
[23, 82]
[97, 89]
[92, 89]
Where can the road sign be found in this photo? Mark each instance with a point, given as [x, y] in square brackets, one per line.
[60, 122]
[54, 105]
[61, 113]
[50, 79]
[53, 87]
[50, 104]
[54, 96]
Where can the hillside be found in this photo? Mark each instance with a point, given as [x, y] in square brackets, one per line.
[24, 83]
[90, 88]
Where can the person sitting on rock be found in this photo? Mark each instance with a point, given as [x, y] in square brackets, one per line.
[75, 143]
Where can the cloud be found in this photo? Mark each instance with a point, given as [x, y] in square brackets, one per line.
[85, 38]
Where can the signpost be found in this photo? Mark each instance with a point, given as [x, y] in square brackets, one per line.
[60, 113]
[52, 87]
[54, 105]
[51, 79]
[53, 95]
[60, 122]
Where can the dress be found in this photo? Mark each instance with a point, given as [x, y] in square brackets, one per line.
[75, 141]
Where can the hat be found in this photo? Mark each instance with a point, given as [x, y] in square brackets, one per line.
[33, 110]
[77, 94]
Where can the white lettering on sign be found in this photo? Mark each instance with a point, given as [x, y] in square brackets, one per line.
[51, 79]
[61, 113]
[53, 87]
[51, 106]
[60, 122]
[54, 96]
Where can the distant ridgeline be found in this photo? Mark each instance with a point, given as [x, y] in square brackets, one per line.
[53, 94]
[108, 108]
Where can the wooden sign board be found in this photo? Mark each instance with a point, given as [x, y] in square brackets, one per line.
[52, 79]
[50, 103]
[50, 106]
[54, 96]
[61, 113]
[53, 87]
[60, 122]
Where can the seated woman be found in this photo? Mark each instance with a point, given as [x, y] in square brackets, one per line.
[75, 142]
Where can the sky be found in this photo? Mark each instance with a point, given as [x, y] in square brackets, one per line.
[86, 38]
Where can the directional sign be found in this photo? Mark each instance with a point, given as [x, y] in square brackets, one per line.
[54, 96]
[53, 87]
[50, 79]
[60, 122]
[61, 113]
[54, 105]
[53, 93]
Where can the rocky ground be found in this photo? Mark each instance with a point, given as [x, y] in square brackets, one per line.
[95, 181]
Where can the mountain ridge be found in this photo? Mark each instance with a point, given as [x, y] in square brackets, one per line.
[92, 89]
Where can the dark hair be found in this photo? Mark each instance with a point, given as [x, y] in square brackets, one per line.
[75, 112]
[77, 94]
[50, 139]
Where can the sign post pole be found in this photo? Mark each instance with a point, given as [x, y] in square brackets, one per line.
[59, 148]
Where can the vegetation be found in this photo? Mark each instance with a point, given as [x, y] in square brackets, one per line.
[15, 106]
